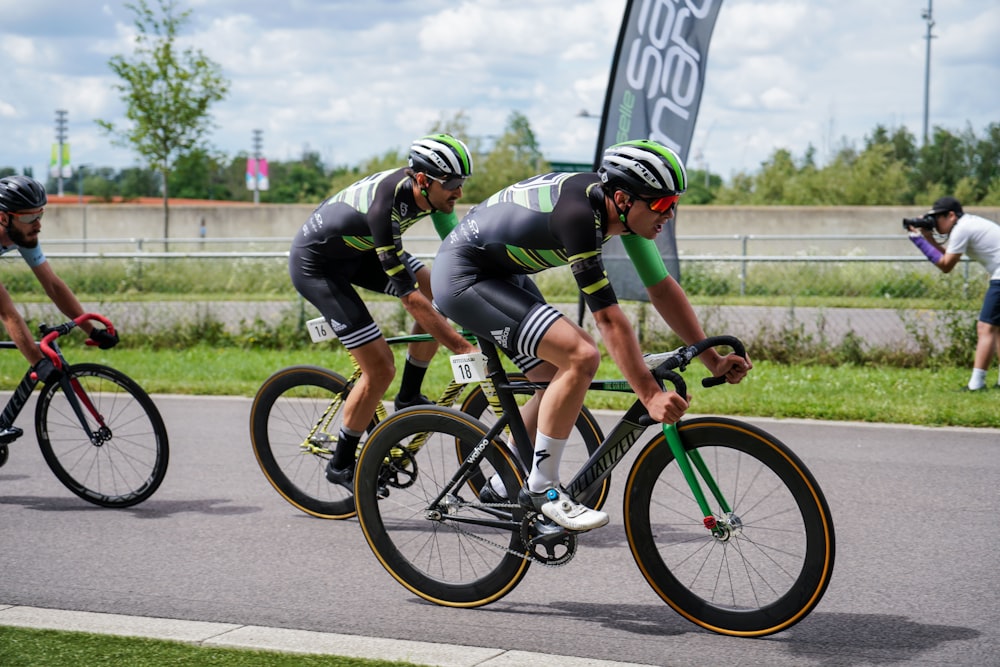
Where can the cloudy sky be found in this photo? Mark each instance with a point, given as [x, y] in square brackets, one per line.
[351, 80]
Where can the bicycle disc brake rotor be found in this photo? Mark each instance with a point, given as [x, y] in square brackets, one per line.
[399, 469]
[546, 542]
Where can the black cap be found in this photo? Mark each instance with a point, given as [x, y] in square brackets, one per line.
[944, 205]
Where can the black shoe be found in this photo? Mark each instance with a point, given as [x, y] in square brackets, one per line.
[10, 434]
[341, 476]
[491, 497]
[966, 388]
[419, 400]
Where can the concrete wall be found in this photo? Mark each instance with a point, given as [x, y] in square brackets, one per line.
[280, 223]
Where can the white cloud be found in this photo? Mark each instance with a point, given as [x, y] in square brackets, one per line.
[355, 79]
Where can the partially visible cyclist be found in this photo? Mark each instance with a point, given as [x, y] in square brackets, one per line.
[480, 281]
[354, 239]
[22, 204]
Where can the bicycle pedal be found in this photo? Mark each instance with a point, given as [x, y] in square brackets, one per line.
[10, 434]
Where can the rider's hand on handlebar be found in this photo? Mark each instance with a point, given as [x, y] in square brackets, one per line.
[45, 371]
[667, 407]
[732, 366]
[103, 339]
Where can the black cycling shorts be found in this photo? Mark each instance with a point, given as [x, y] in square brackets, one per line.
[991, 305]
[509, 309]
[331, 288]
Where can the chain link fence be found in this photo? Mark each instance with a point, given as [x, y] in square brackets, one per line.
[857, 296]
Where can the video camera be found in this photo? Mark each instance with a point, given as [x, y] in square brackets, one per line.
[923, 222]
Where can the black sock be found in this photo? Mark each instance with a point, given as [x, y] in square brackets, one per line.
[413, 377]
[347, 445]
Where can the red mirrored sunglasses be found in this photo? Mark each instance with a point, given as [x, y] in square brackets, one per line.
[27, 218]
[660, 204]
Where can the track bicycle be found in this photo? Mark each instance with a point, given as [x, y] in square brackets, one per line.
[98, 430]
[297, 413]
[725, 523]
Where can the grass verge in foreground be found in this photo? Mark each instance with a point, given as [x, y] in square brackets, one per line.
[26, 647]
[929, 397]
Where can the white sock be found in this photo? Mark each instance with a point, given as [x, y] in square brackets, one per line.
[545, 466]
[978, 379]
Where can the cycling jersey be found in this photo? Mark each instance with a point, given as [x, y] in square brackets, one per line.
[32, 256]
[355, 238]
[547, 221]
[480, 277]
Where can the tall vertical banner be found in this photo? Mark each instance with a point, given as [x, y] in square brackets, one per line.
[654, 93]
[59, 164]
[251, 173]
[257, 178]
[263, 182]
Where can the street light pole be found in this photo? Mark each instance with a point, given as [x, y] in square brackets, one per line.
[928, 16]
[61, 140]
[257, 142]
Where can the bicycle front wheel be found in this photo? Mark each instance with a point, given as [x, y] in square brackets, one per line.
[294, 423]
[770, 559]
[125, 459]
[428, 528]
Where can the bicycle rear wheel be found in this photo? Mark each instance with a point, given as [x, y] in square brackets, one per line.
[773, 559]
[294, 422]
[127, 459]
[583, 441]
[431, 533]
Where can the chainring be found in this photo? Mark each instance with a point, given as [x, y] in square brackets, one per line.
[546, 542]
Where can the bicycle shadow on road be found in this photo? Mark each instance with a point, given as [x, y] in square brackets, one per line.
[150, 509]
[825, 638]
[881, 639]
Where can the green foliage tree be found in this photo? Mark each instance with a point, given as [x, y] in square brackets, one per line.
[341, 178]
[137, 182]
[199, 174]
[167, 93]
[515, 155]
[301, 182]
[889, 170]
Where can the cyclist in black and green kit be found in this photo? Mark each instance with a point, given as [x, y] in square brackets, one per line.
[480, 280]
[354, 238]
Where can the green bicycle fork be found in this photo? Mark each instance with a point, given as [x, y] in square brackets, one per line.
[684, 459]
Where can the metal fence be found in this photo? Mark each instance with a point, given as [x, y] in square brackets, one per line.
[874, 290]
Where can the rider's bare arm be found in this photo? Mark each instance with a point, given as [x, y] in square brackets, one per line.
[420, 308]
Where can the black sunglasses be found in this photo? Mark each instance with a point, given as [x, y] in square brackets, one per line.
[449, 183]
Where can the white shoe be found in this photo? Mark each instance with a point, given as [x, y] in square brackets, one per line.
[556, 504]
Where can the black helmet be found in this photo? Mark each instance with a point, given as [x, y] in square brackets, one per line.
[21, 193]
[441, 155]
[643, 168]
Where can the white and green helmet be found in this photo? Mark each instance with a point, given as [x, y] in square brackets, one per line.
[643, 168]
[441, 155]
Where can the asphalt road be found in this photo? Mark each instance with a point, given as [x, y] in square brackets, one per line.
[916, 580]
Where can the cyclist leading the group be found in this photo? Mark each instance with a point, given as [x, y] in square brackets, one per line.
[354, 238]
[22, 204]
[480, 280]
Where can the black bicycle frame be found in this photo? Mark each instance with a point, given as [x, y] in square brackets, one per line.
[20, 396]
[70, 387]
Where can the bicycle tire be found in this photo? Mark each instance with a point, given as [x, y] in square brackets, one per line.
[424, 547]
[130, 462]
[587, 432]
[287, 408]
[771, 571]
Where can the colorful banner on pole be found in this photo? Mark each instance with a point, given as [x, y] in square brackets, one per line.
[257, 174]
[59, 163]
[654, 93]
